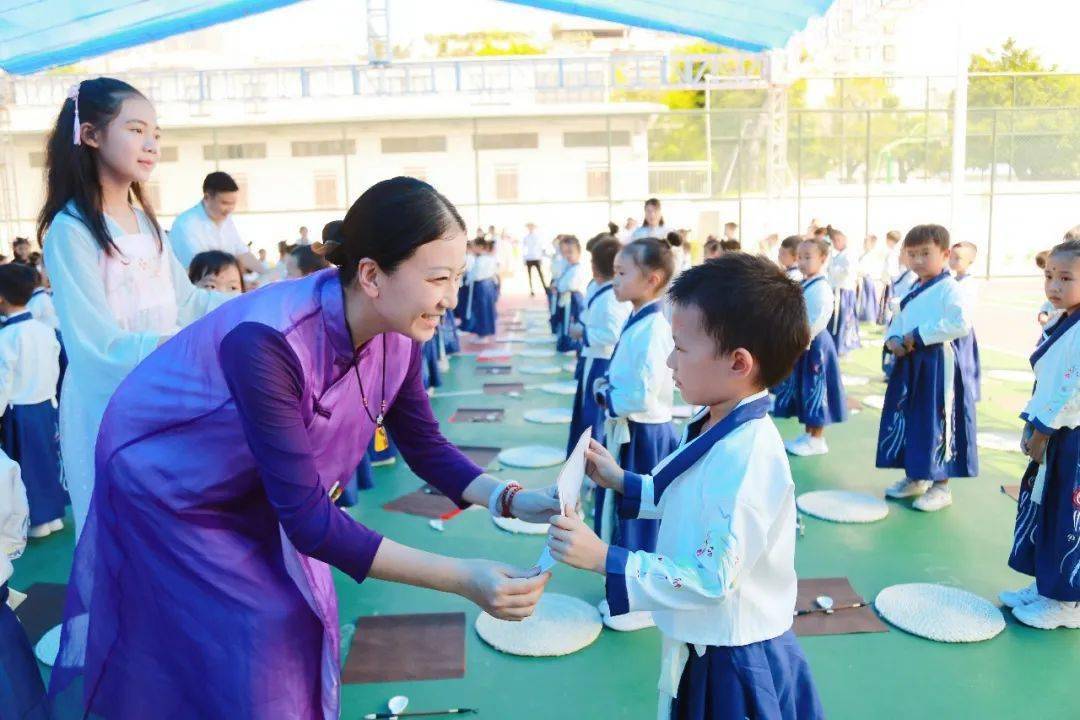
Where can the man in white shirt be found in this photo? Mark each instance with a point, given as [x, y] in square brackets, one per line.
[533, 249]
[208, 225]
[303, 239]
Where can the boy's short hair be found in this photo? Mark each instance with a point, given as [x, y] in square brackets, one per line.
[603, 256]
[747, 301]
[893, 235]
[600, 237]
[219, 182]
[730, 246]
[967, 246]
[791, 243]
[17, 283]
[732, 225]
[1069, 247]
[924, 234]
[712, 246]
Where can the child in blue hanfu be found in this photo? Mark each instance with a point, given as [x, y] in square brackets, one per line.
[843, 276]
[960, 259]
[928, 421]
[636, 395]
[601, 323]
[721, 584]
[814, 392]
[570, 288]
[788, 256]
[1046, 541]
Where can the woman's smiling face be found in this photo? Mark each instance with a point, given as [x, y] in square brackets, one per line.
[413, 299]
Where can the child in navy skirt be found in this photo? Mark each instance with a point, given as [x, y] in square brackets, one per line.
[843, 277]
[721, 584]
[1046, 543]
[814, 392]
[29, 374]
[570, 287]
[928, 420]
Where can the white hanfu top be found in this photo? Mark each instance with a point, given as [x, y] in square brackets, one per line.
[723, 572]
[841, 271]
[603, 319]
[640, 386]
[937, 315]
[42, 308]
[194, 232]
[114, 310]
[14, 515]
[29, 361]
[1055, 402]
[818, 295]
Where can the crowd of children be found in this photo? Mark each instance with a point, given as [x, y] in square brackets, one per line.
[741, 336]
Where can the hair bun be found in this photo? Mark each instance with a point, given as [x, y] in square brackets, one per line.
[332, 251]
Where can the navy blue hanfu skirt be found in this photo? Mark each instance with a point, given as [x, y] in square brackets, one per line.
[814, 392]
[844, 326]
[30, 436]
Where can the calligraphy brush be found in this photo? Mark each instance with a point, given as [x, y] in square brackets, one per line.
[428, 713]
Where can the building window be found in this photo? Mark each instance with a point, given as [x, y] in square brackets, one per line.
[235, 151]
[326, 190]
[416, 172]
[596, 138]
[506, 141]
[241, 192]
[423, 143]
[314, 148]
[596, 181]
[169, 153]
[506, 183]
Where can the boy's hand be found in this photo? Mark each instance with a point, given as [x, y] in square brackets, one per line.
[909, 342]
[601, 467]
[895, 346]
[1036, 446]
[573, 542]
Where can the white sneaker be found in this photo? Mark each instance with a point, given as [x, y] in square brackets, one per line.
[806, 446]
[907, 488]
[39, 531]
[56, 525]
[627, 622]
[934, 499]
[1047, 614]
[1016, 598]
[795, 443]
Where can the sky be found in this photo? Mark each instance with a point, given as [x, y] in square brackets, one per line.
[335, 28]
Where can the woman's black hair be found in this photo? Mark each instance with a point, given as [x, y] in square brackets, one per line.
[212, 262]
[71, 171]
[652, 255]
[655, 202]
[307, 260]
[389, 222]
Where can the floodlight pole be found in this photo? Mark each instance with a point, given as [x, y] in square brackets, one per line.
[960, 116]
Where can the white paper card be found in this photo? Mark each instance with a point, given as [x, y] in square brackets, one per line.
[572, 474]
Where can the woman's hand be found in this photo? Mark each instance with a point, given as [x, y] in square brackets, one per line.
[535, 506]
[1036, 446]
[601, 467]
[503, 591]
[573, 542]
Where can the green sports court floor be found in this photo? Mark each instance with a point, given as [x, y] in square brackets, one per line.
[1021, 673]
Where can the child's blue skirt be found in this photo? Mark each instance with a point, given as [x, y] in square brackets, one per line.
[1046, 539]
[565, 343]
[768, 680]
[22, 693]
[844, 327]
[867, 301]
[30, 437]
[586, 414]
[649, 444]
[814, 392]
[913, 431]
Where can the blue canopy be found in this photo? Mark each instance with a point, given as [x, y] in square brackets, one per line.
[39, 34]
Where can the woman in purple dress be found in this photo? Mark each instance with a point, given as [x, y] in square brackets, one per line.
[201, 585]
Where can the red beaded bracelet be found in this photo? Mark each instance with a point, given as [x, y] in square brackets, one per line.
[507, 499]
